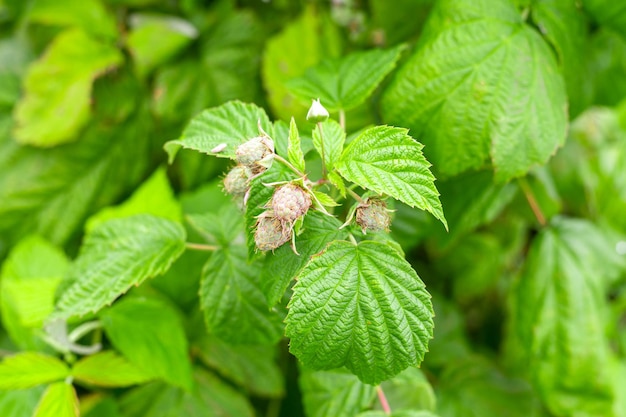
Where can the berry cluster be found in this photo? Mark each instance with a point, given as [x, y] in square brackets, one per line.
[253, 157]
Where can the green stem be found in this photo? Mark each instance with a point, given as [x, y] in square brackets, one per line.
[201, 246]
[383, 400]
[342, 119]
[532, 201]
[324, 172]
[83, 329]
[355, 195]
[288, 165]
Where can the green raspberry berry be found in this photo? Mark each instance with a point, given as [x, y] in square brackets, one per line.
[236, 181]
[253, 151]
[290, 202]
[271, 232]
[373, 215]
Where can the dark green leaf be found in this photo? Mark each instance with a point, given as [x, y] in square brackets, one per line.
[360, 306]
[116, 255]
[608, 13]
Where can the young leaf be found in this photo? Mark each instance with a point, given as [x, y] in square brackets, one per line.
[60, 83]
[498, 97]
[344, 83]
[388, 161]
[59, 400]
[115, 256]
[30, 277]
[281, 268]
[360, 306]
[328, 140]
[294, 150]
[150, 334]
[559, 318]
[155, 196]
[108, 369]
[334, 393]
[230, 124]
[234, 307]
[29, 369]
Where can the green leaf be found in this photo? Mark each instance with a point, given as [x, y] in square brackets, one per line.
[20, 402]
[230, 124]
[335, 393]
[50, 192]
[360, 306]
[388, 161]
[108, 369]
[221, 227]
[116, 255]
[389, 18]
[301, 44]
[608, 13]
[608, 63]
[151, 336]
[343, 84]
[481, 88]
[59, 400]
[234, 306]
[155, 196]
[281, 268]
[559, 318]
[294, 150]
[211, 397]
[30, 277]
[89, 15]
[154, 39]
[328, 140]
[60, 83]
[29, 369]
[409, 390]
[398, 413]
[253, 368]
[564, 25]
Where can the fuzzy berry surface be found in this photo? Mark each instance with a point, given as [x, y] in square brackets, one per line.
[252, 151]
[373, 215]
[236, 181]
[290, 202]
[270, 233]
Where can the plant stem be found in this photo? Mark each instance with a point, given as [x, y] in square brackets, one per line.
[342, 119]
[200, 246]
[83, 329]
[355, 195]
[288, 165]
[532, 202]
[324, 172]
[383, 400]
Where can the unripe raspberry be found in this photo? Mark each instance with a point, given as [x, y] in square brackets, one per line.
[236, 182]
[290, 202]
[373, 215]
[270, 232]
[253, 151]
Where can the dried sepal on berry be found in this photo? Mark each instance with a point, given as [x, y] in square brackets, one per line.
[290, 202]
[373, 215]
[270, 232]
[237, 181]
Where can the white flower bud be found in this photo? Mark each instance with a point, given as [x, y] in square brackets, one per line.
[317, 113]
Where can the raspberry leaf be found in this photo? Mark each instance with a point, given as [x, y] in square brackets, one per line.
[328, 139]
[219, 130]
[387, 160]
[360, 306]
[59, 400]
[294, 149]
[108, 369]
[29, 369]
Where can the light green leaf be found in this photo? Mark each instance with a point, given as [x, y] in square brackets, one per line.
[294, 149]
[59, 400]
[108, 369]
[398, 413]
[211, 397]
[221, 227]
[29, 369]
[230, 124]
[564, 25]
[608, 13]
[336, 180]
[151, 336]
[335, 393]
[328, 140]
[252, 367]
[279, 270]
[60, 83]
[115, 256]
[30, 277]
[559, 318]
[409, 390]
[154, 39]
[360, 306]
[234, 306]
[301, 44]
[482, 88]
[388, 161]
[20, 402]
[344, 83]
[89, 15]
[155, 196]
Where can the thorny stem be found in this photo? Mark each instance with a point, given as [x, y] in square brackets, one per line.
[383, 400]
[200, 246]
[532, 202]
[324, 172]
[288, 165]
[342, 119]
